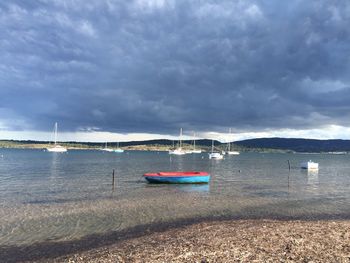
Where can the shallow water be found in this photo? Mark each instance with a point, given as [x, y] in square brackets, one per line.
[54, 197]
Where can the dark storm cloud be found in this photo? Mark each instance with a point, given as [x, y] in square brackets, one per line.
[156, 65]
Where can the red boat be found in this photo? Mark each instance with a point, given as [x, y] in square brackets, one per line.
[191, 177]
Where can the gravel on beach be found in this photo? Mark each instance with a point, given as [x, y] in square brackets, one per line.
[231, 241]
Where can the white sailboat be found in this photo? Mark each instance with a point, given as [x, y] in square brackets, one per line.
[56, 148]
[118, 150]
[229, 148]
[106, 149]
[215, 155]
[194, 145]
[179, 150]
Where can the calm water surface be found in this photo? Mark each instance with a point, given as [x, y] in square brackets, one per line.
[55, 197]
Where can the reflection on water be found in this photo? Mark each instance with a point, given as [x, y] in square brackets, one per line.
[50, 196]
[312, 180]
[193, 188]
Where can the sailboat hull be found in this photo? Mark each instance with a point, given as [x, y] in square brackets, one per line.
[57, 149]
[216, 156]
[233, 153]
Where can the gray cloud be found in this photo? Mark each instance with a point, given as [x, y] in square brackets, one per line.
[156, 65]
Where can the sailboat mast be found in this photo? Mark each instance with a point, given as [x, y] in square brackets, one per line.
[55, 138]
[194, 141]
[212, 146]
[180, 137]
[229, 141]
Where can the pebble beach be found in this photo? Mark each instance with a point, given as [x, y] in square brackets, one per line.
[230, 241]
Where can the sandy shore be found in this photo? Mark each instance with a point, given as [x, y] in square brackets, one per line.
[231, 241]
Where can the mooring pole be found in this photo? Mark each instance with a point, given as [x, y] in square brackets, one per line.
[113, 180]
[288, 174]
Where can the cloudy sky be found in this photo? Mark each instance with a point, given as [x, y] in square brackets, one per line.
[118, 70]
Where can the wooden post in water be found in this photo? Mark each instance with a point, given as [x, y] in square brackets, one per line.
[113, 180]
[288, 174]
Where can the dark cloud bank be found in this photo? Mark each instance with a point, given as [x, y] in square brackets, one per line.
[155, 66]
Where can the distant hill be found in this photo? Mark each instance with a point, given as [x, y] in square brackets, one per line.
[297, 145]
[257, 145]
[147, 144]
[203, 142]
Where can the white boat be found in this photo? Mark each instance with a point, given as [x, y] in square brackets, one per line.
[233, 153]
[118, 150]
[106, 149]
[215, 155]
[179, 150]
[309, 165]
[56, 148]
[229, 152]
[194, 145]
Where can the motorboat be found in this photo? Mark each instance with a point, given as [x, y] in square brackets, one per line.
[309, 165]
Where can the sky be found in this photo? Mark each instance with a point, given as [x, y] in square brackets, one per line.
[141, 69]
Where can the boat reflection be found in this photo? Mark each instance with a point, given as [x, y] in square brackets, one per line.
[312, 180]
[312, 177]
[201, 188]
[54, 167]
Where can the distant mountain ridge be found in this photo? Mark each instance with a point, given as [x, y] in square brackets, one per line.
[297, 144]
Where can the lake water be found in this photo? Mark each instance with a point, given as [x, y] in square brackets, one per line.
[58, 197]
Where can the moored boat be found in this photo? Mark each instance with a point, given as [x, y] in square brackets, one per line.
[106, 149]
[191, 177]
[309, 165]
[215, 155]
[233, 153]
[229, 152]
[194, 145]
[118, 150]
[179, 150]
[56, 147]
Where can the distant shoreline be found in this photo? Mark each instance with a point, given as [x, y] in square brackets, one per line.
[156, 149]
[263, 145]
